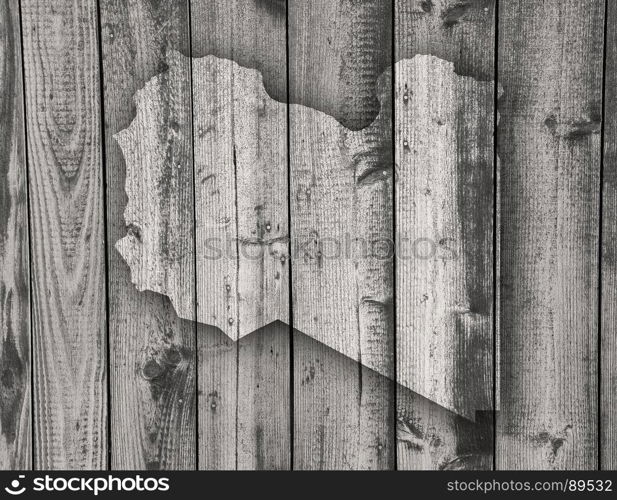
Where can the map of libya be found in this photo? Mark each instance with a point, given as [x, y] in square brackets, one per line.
[219, 211]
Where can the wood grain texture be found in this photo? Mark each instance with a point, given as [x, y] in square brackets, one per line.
[15, 397]
[249, 32]
[550, 65]
[342, 229]
[152, 351]
[460, 32]
[243, 285]
[67, 223]
[241, 186]
[444, 158]
[429, 437]
[608, 331]
[444, 197]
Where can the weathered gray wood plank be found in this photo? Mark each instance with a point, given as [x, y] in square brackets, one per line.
[429, 437]
[444, 158]
[241, 189]
[67, 232]
[152, 351]
[550, 66]
[444, 215]
[15, 397]
[341, 200]
[608, 382]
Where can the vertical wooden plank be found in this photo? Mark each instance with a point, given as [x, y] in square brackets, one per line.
[241, 199]
[67, 232]
[341, 187]
[444, 206]
[444, 201]
[430, 437]
[337, 50]
[152, 351]
[608, 382]
[15, 419]
[550, 66]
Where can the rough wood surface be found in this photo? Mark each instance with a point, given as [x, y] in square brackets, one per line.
[152, 351]
[337, 50]
[550, 66]
[249, 32]
[444, 198]
[241, 195]
[15, 397]
[67, 222]
[244, 388]
[429, 437]
[608, 331]
[159, 215]
[159, 246]
[341, 207]
[443, 134]
[460, 32]
[243, 285]
[195, 96]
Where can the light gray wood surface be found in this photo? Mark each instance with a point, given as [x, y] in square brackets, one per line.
[241, 172]
[444, 112]
[443, 134]
[15, 396]
[67, 233]
[143, 129]
[608, 330]
[550, 66]
[152, 351]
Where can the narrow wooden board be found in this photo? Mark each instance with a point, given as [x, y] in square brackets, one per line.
[242, 245]
[550, 65]
[15, 407]
[444, 158]
[608, 331]
[241, 188]
[63, 118]
[152, 351]
[337, 50]
[444, 115]
[341, 188]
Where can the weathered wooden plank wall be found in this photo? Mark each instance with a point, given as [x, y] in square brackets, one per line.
[342, 420]
[152, 352]
[15, 397]
[608, 318]
[550, 66]
[444, 213]
[63, 116]
[183, 395]
[244, 395]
